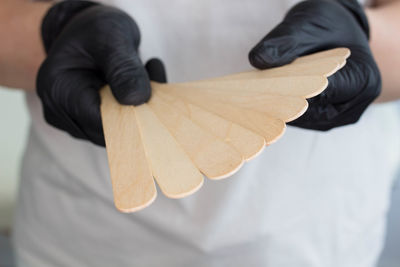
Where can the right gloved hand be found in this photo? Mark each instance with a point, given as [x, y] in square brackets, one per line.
[88, 45]
[316, 25]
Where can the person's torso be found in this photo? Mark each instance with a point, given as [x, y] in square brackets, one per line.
[311, 199]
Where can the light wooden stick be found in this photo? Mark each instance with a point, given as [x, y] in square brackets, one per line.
[300, 86]
[214, 158]
[132, 182]
[172, 168]
[248, 143]
[270, 128]
[341, 54]
[285, 108]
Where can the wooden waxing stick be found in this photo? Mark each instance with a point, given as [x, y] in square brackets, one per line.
[132, 181]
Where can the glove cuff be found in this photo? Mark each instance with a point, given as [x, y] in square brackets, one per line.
[358, 12]
[57, 18]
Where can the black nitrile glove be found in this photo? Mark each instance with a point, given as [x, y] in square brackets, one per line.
[156, 70]
[316, 25]
[88, 45]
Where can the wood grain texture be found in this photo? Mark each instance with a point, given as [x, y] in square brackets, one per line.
[175, 173]
[340, 54]
[300, 86]
[285, 108]
[214, 158]
[248, 143]
[270, 128]
[281, 98]
[132, 182]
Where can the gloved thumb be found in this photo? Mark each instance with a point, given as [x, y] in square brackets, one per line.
[156, 70]
[276, 49]
[304, 30]
[127, 77]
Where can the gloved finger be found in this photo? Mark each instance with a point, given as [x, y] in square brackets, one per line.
[71, 102]
[84, 104]
[323, 116]
[156, 70]
[127, 77]
[359, 78]
[307, 28]
[349, 93]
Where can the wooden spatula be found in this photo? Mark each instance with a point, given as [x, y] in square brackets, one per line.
[132, 179]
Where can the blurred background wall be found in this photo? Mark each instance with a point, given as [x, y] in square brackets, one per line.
[13, 130]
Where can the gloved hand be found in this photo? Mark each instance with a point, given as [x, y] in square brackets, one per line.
[316, 25]
[88, 45]
[156, 70]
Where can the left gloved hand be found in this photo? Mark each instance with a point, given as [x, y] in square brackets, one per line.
[88, 45]
[316, 25]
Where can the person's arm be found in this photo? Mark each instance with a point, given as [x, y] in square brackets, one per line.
[385, 44]
[21, 49]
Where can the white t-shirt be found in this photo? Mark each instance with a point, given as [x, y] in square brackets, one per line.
[312, 199]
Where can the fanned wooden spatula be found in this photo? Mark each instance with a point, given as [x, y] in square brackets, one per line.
[209, 127]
